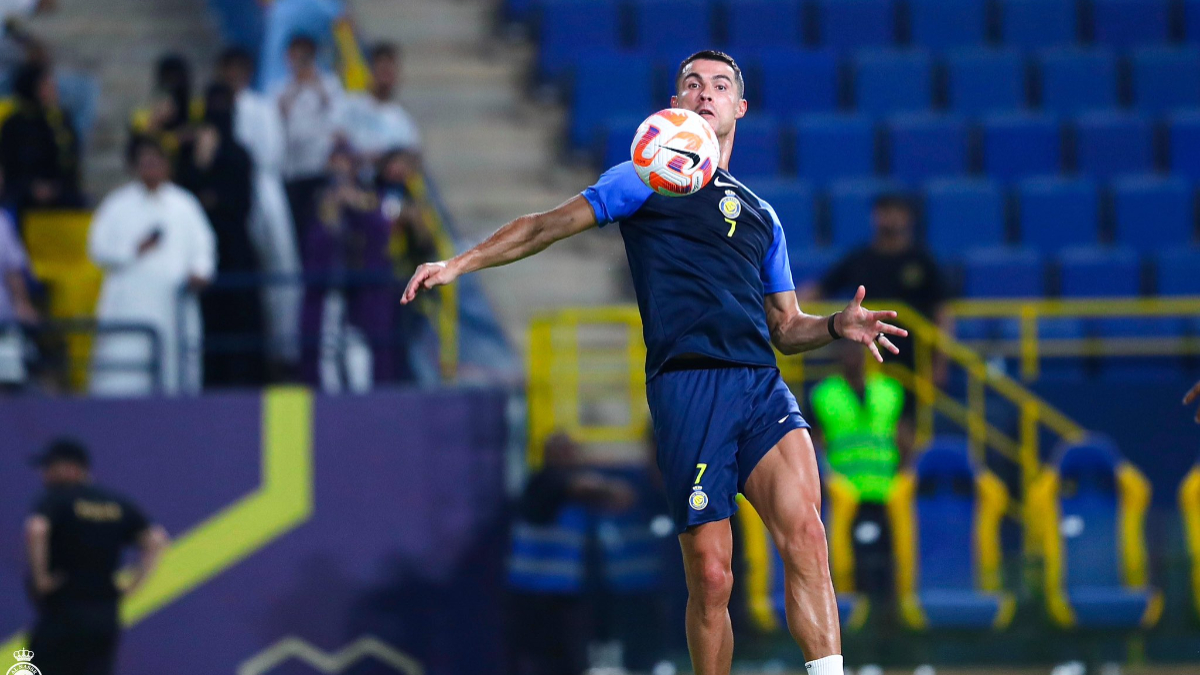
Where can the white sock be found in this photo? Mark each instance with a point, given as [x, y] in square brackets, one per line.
[829, 665]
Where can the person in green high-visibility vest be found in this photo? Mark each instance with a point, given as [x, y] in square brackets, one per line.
[862, 426]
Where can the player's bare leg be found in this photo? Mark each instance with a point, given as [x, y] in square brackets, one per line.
[785, 489]
[707, 563]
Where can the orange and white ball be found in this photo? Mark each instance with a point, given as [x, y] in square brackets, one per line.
[675, 152]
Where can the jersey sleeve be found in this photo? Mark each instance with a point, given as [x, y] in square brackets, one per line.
[776, 267]
[133, 521]
[618, 194]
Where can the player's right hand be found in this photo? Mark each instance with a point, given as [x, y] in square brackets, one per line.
[427, 276]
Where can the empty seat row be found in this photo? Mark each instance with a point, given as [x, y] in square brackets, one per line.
[682, 26]
[920, 146]
[1063, 82]
[1147, 213]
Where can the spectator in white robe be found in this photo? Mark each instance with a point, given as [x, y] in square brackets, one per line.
[157, 249]
[259, 128]
[375, 123]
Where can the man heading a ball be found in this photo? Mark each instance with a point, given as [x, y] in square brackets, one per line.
[715, 291]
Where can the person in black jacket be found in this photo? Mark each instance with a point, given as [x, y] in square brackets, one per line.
[74, 539]
[39, 150]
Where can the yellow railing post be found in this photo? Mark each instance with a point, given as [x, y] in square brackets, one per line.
[1029, 343]
[539, 397]
[977, 406]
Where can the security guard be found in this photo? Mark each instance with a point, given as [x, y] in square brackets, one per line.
[75, 537]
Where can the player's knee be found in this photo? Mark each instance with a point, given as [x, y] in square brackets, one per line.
[714, 580]
[804, 540]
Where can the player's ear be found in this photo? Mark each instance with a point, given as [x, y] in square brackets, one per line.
[741, 109]
[674, 101]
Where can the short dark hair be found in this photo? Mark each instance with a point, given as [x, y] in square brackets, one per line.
[384, 49]
[63, 449]
[27, 80]
[302, 40]
[139, 142]
[712, 55]
[892, 200]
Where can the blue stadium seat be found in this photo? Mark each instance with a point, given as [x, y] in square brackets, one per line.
[1074, 80]
[565, 24]
[850, 203]
[809, 266]
[1177, 272]
[1183, 144]
[796, 81]
[942, 24]
[1165, 78]
[963, 213]
[1018, 145]
[757, 23]
[1153, 212]
[1034, 24]
[758, 150]
[793, 202]
[830, 147]
[1112, 143]
[618, 137]
[1191, 20]
[657, 34]
[608, 85]
[926, 145]
[1051, 368]
[1004, 272]
[852, 24]
[1099, 271]
[1058, 212]
[890, 81]
[1130, 23]
[985, 80]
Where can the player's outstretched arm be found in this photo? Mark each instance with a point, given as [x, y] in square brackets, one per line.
[1191, 397]
[793, 331]
[518, 239]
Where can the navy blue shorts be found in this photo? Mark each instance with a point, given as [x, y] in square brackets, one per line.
[712, 426]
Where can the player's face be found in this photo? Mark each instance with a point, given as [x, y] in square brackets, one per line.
[709, 89]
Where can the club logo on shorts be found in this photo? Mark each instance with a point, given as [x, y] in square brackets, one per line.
[731, 207]
[698, 500]
[23, 666]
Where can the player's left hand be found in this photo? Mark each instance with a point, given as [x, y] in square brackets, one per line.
[428, 276]
[862, 325]
[1191, 397]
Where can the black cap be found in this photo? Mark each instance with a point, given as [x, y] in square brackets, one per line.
[62, 450]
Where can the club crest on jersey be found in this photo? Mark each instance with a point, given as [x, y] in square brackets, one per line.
[731, 206]
[697, 500]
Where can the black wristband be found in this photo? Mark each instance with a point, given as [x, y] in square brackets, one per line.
[829, 325]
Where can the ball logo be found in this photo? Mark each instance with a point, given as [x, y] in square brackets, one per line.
[731, 206]
[23, 665]
[698, 500]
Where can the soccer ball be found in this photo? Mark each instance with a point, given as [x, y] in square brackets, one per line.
[675, 152]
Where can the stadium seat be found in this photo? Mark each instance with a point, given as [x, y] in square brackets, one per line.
[853, 24]
[608, 85]
[1130, 23]
[1073, 80]
[1191, 20]
[1035, 24]
[618, 137]
[1019, 145]
[1058, 212]
[565, 24]
[891, 81]
[1177, 272]
[1051, 368]
[1099, 272]
[793, 202]
[1183, 144]
[926, 145]
[942, 24]
[758, 150]
[1153, 212]
[963, 213]
[1087, 511]
[985, 80]
[850, 203]
[673, 39]
[811, 265]
[830, 147]
[1112, 143]
[796, 81]
[758, 23]
[1166, 79]
[946, 516]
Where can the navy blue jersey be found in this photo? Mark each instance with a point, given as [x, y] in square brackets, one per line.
[702, 265]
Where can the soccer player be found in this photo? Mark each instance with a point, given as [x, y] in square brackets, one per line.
[713, 299]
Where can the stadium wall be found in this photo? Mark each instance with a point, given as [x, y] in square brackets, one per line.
[326, 530]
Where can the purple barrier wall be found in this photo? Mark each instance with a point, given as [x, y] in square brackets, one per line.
[404, 542]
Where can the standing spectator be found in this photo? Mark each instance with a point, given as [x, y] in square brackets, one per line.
[311, 104]
[39, 151]
[15, 307]
[259, 128]
[287, 18]
[893, 267]
[170, 116]
[375, 122]
[219, 172]
[152, 240]
[75, 539]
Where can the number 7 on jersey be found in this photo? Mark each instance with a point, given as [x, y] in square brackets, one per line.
[700, 472]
